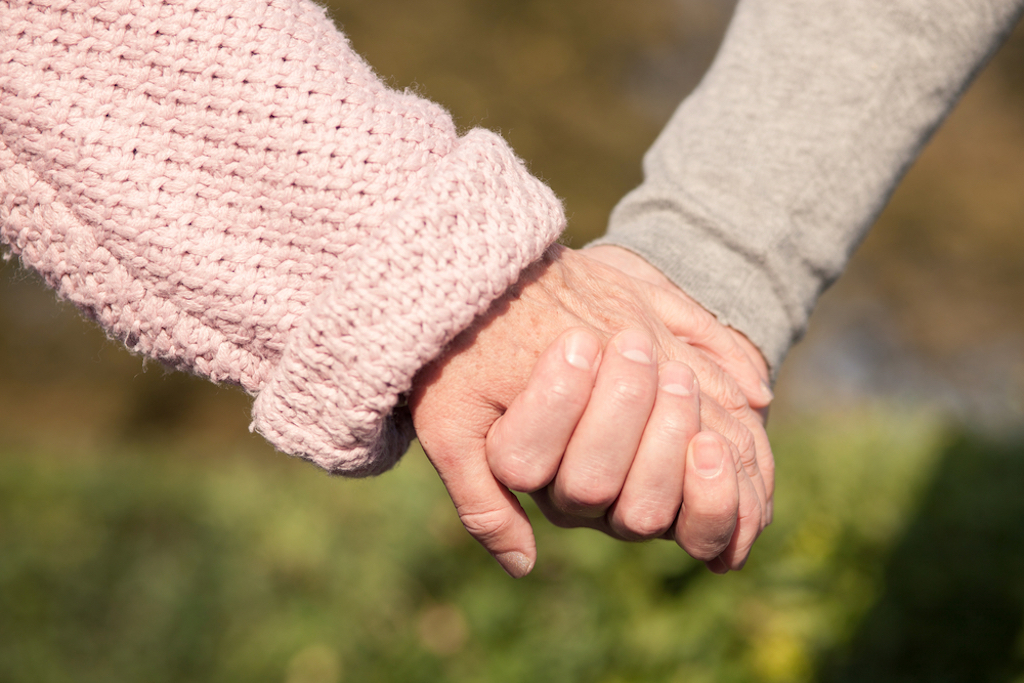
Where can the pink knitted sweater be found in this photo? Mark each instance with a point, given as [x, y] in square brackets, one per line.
[225, 186]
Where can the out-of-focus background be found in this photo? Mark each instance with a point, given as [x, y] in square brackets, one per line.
[145, 535]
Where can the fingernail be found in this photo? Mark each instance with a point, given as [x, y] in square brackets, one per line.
[676, 379]
[766, 393]
[516, 564]
[717, 566]
[634, 345]
[708, 458]
[581, 350]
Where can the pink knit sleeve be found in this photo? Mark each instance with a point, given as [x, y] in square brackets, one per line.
[227, 187]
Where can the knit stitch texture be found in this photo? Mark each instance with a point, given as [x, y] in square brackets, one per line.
[226, 187]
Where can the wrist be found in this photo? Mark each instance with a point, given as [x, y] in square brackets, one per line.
[633, 264]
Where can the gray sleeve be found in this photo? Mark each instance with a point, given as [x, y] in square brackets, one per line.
[770, 173]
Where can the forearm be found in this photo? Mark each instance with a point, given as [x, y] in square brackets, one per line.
[769, 175]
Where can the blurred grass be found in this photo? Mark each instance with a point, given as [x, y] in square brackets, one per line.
[140, 564]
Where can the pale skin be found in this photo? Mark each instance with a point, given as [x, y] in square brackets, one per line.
[613, 399]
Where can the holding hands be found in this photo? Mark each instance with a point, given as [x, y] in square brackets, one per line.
[616, 402]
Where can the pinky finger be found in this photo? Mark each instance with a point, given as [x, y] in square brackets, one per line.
[748, 526]
[711, 498]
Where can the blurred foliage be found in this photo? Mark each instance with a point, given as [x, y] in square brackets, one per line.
[953, 605]
[141, 564]
[145, 535]
[580, 88]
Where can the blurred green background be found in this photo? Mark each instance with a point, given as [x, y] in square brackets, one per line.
[146, 536]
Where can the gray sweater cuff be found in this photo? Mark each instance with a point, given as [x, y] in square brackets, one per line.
[729, 283]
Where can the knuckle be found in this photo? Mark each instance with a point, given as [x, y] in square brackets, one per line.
[563, 394]
[705, 550]
[742, 442]
[734, 432]
[486, 525]
[711, 514]
[641, 524]
[631, 391]
[520, 474]
[675, 428]
[708, 544]
[628, 392]
[706, 326]
[578, 497]
[745, 443]
[714, 511]
[562, 520]
[517, 461]
[723, 389]
[751, 514]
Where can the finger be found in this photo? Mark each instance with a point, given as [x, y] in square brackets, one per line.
[489, 511]
[711, 498]
[601, 450]
[653, 491]
[743, 444]
[725, 410]
[688, 319]
[761, 459]
[525, 445]
[748, 528]
[697, 326]
[766, 466]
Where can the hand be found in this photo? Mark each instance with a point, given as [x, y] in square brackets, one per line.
[632, 410]
[457, 399]
[636, 266]
[731, 357]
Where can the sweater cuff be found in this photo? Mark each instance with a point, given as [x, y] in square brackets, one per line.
[458, 240]
[731, 282]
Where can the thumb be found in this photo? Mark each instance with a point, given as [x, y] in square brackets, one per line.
[454, 403]
[489, 511]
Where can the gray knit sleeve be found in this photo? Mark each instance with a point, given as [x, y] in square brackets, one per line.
[771, 172]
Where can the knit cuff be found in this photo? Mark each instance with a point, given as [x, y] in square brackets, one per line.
[458, 240]
[733, 284]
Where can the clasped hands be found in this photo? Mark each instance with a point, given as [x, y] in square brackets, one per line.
[614, 400]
